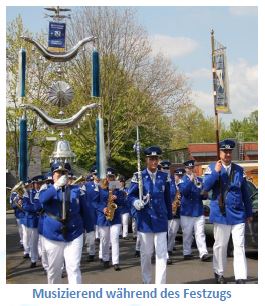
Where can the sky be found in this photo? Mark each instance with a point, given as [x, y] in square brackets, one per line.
[182, 33]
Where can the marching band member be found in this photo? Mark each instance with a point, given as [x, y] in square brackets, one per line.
[174, 224]
[62, 226]
[152, 214]
[228, 212]
[110, 202]
[91, 189]
[191, 213]
[125, 210]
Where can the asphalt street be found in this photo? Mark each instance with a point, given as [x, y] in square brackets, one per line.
[194, 271]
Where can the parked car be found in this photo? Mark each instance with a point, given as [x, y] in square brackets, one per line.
[251, 230]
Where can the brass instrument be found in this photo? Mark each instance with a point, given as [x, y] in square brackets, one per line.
[197, 183]
[80, 179]
[111, 207]
[176, 203]
[19, 188]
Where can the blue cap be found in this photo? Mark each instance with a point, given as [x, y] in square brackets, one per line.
[227, 144]
[89, 178]
[28, 182]
[38, 179]
[58, 166]
[93, 169]
[189, 163]
[110, 171]
[165, 164]
[48, 176]
[180, 171]
[153, 151]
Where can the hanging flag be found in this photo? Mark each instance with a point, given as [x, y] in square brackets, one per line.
[56, 41]
[95, 74]
[22, 73]
[221, 86]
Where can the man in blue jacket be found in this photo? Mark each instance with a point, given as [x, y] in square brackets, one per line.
[230, 208]
[191, 212]
[152, 214]
[62, 226]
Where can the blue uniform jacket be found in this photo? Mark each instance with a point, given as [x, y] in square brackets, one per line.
[91, 203]
[51, 201]
[153, 218]
[173, 190]
[238, 205]
[32, 207]
[191, 198]
[103, 201]
[125, 208]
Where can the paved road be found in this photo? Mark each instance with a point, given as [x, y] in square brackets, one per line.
[180, 272]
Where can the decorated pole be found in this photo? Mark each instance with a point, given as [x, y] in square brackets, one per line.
[100, 143]
[23, 136]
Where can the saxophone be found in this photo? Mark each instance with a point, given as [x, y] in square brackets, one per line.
[111, 207]
[176, 203]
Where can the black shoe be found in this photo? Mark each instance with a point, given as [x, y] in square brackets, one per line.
[170, 253]
[219, 279]
[206, 257]
[105, 264]
[169, 261]
[125, 238]
[134, 238]
[117, 268]
[174, 249]
[97, 240]
[188, 257]
[137, 254]
[26, 255]
[90, 258]
[240, 281]
[33, 265]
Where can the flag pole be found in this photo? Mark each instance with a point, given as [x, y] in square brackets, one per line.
[214, 95]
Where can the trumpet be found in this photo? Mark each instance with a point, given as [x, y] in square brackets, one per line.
[80, 179]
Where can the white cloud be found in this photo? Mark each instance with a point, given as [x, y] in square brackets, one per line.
[243, 89]
[243, 10]
[202, 73]
[173, 47]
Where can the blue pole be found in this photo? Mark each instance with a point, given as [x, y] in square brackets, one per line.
[23, 150]
[22, 73]
[95, 74]
[97, 147]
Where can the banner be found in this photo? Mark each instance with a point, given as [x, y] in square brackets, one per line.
[56, 41]
[221, 91]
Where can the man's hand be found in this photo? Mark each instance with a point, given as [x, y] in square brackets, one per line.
[218, 166]
[138, 204]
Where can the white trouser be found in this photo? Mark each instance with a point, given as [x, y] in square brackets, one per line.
[96, 232]
[20, 231]
[125, 224]
[43, 253]
[173, 227]
[138, 242]
[109, 234]
[188, 224]
[90, 243]
[60, 251]
[147, 243]
[30, 242]
[134, 227]
[221, 237]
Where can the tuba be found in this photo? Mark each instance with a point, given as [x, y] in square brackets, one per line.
[111, 207]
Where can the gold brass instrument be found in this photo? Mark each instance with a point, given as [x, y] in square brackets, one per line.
[19, 188]
[111, 207]
[80, 179]
[176, 203]
[197, 183]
